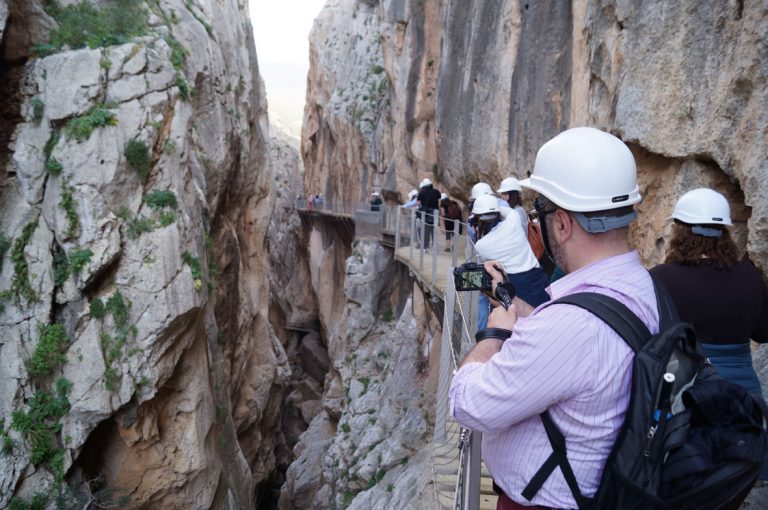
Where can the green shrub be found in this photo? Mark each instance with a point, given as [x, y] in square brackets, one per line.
[167, 217]
[181, 83]
[50, 350]
[68, 205]
[80, 128]
[377, 69]
[51, 164]
[8, 443]
[84, 24]
[60, 268]
[38, 108]
[78, 258]
[39, 424]
[387, 316]
[140, 225]
[112, 345]
[377, 477]
[196, 268]
[158, 199]
[119, 308]
[38, 502]
[97, 309]
[20, 285]
[345, 427]
[138, 157]
[178, 52]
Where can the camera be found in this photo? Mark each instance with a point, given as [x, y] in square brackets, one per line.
[472, 276]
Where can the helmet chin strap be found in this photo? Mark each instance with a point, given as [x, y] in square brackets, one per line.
[545, 237]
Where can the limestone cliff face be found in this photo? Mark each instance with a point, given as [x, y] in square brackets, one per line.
[137, 358]
[475, 88]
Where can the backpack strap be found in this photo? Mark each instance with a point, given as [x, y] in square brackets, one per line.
[615, 314]
[635, 333]
[667, 310]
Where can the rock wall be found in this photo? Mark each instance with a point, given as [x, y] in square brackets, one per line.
[475, 88]
[135, 189]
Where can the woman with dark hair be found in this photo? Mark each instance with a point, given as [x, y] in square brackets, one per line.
[725, 299]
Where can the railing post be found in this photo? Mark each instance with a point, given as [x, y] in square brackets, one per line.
[397, 228]
[435, 231]
[413, 235]
[455, 241]
[422, 229]
[472, 473]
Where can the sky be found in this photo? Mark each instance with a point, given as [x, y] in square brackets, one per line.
[281, 30]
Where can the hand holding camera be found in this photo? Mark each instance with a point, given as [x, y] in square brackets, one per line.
[489, 279]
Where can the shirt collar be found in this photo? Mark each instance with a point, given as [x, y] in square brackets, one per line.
[590, 274]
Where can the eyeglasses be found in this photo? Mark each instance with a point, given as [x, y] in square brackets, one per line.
[538, 205]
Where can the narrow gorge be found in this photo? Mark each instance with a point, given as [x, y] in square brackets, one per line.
[174, 334]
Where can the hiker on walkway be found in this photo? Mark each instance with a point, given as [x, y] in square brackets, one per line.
[725, 299]
[510, 191]
[375, 201]
[478, 190]
[412, 202]
[562, 358]
[504, 240]
[429, 203]
[450, 215]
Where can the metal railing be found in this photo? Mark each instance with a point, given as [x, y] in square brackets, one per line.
[429, 244]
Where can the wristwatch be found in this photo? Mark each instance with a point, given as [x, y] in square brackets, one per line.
[497, 333]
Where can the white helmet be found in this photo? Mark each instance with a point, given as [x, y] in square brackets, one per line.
[425, 182]
[485, 204]
[413, 193]
[585, 169]
[703, 206]
[479, 189]
[443, 196]
[375, 194]
[510, 184]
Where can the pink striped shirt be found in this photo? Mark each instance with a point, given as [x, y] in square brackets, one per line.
[564, 359]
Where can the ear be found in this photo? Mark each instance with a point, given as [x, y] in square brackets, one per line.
[562, 224]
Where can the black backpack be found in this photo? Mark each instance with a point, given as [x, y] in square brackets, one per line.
[695, 444]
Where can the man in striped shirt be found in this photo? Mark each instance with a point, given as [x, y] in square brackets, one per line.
[561, 358]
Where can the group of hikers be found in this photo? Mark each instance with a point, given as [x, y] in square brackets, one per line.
[551, 370]
[314, 201]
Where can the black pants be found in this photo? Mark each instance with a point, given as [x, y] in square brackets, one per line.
[428, 229]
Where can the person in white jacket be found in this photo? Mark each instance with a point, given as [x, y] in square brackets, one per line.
[502, 238]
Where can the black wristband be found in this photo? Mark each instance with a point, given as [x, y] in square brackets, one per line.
[497, 333]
